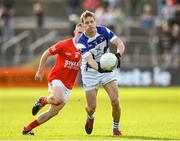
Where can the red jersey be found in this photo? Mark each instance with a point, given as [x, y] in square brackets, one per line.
[67, 64]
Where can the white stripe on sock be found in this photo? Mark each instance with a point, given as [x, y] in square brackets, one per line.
[115, 125]
[91, 117]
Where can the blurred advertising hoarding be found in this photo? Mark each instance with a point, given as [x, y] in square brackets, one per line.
[24, 77]
[14, 77]
[148, 77]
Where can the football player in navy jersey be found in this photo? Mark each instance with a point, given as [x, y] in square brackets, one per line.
[93, 43]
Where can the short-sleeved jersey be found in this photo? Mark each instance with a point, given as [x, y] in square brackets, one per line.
[96, 46]
[67, 63]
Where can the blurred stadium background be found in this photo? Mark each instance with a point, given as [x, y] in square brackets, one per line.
[149, 29]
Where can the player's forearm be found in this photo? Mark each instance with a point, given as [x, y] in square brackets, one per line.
[43, 60]
[93, 65]
[120, 46]
[92, 62]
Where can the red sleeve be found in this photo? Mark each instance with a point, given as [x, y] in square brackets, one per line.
[57, 48]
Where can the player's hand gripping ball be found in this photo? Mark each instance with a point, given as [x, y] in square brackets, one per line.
[108, 61]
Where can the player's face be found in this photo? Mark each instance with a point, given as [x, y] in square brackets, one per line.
[78, 31]
[89, 24]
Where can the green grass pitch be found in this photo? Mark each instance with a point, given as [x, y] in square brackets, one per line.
[147, 114]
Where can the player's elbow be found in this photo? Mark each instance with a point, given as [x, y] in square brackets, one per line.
[121, 45]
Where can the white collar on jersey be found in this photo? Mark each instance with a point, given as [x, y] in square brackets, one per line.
[92, 38]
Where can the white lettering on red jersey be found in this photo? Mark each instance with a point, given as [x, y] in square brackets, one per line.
[67, 64]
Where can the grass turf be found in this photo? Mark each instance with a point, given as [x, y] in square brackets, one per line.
[147, 113]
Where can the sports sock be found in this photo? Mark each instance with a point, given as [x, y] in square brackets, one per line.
[115, 125]
[32, 125]
[44, 101]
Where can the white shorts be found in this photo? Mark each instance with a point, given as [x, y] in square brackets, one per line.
[58, 83]
[93, 79]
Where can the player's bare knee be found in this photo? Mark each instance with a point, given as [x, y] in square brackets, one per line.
[115, 103]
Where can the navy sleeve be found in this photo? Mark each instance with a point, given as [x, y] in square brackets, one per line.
[82, 44]
[108, 34]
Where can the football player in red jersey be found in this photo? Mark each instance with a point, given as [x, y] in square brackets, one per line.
[60, 80]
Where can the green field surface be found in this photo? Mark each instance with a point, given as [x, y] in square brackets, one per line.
[147, 114]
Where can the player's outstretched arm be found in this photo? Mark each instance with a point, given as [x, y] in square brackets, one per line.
[120, 50]
[95, 65]
[40, 72]
[92, 62]
[120, 45]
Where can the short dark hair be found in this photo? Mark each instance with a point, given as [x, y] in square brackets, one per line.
[79, 25]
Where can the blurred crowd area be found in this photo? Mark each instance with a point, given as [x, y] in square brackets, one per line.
[150, 29]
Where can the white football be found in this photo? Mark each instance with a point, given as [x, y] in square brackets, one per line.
[108, 61]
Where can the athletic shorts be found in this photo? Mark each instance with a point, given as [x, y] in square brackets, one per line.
[58, 83]
[93, 79]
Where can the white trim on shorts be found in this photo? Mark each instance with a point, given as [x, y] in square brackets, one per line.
[58, 83]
